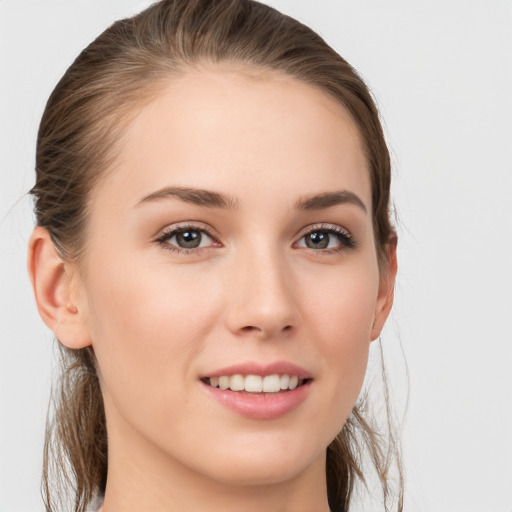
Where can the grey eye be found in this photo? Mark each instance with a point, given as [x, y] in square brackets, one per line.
[186, 238]
[318, 239]
[327, 239]
[189, 239]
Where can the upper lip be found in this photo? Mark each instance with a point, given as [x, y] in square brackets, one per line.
[263, 369]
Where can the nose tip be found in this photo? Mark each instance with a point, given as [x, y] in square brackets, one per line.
[264, 304]
[246, 322]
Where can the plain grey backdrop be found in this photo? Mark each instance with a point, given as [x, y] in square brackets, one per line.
[441, 73]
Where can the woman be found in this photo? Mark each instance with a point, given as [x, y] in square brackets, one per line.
[214, 254]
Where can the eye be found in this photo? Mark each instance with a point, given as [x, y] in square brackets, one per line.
[186, 239]
[327, 239]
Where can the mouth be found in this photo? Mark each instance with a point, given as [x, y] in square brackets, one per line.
[257, 384]
[259, 391]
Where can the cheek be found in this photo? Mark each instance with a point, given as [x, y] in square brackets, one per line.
[149, 305]
[342, 316]
[342, 302]
[147, 328]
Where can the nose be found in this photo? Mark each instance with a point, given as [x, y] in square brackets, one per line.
[263, 303]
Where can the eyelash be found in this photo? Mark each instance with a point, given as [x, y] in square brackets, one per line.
[344, 237]
[172, 231]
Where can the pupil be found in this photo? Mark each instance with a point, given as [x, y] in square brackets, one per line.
[317, 240]
[188, 239]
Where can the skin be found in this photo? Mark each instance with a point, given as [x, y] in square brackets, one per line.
[254, 291]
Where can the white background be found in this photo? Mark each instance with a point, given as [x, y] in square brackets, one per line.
[442, 75]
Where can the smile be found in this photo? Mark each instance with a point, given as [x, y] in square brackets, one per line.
[259, 391]
[256, 383]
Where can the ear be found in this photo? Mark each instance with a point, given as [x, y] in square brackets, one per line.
[386, 289]
[52, 284]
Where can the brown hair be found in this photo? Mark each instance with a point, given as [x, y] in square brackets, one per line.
[78, 136]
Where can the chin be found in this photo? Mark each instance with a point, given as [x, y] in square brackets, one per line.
[265, 463]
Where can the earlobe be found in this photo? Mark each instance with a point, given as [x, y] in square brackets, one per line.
[52, 286]
[386, 291]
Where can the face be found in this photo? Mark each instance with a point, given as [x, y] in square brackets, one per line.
[232, 238]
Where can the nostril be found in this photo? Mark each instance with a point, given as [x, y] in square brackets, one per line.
[251, 328]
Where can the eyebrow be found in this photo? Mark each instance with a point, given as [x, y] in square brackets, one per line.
[195, 196]
[210, 199]
[328, 200]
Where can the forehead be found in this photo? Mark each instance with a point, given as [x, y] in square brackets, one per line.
[240, 130]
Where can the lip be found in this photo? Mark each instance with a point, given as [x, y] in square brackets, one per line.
[260, 406]
[254, 368]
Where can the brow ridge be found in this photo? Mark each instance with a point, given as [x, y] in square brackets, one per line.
[210, 199]
[199, 197]
[328, 200]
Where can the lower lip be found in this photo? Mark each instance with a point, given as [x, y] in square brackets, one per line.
[260, 406]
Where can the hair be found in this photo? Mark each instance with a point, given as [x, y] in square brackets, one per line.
[78, 139]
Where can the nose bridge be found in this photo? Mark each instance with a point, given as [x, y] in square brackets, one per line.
[264, 301]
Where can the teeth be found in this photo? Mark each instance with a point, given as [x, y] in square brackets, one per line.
[271, 384]
[237, 383]
[224, 382]
[253, 384]
[256, 383]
